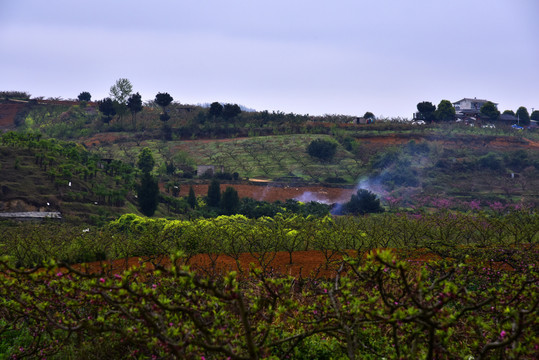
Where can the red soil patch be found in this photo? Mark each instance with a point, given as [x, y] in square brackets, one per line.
[272, 193]
[7, 114]
[507, 143]
[304, 263]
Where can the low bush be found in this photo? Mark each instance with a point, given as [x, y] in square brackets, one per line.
[323, 150]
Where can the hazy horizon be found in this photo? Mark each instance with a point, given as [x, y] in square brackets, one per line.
[343, 57]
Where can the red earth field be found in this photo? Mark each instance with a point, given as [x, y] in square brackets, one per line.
[304, 263]
[264, 192]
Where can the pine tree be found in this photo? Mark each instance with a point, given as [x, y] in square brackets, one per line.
[230, 201]
[191, 198]
[148, 190]
[214, 194]
[148, 194]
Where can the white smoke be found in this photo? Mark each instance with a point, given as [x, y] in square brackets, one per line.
[309, 196]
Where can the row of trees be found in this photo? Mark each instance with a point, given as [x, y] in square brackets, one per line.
[121, 99]
[446, 112]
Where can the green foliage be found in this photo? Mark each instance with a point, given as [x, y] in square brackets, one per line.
[372, 305]
[47, 166]
[214, 193]
[491, 161]
[14, 95]
[415, 148]
[523, 116]
[134, 104]
[230, 201]
[490, 110]
[148, 194]
[517, 160]
[426, 109]
[146, 161]
[121, 90]
[349, 143]
[163, 99]
[191, 198]
[363, 202]
[535, 115]
[322, 149]
[107, 108]
[216, 109]
[400, 175]
[384, 159]
[84, 96]
[231, 111]
[368, 115]
[445, 111]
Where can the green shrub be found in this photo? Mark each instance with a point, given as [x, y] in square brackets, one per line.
[363, 202]
[322, 149]
[490, 161]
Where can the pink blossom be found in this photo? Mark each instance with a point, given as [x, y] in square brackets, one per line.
[475, 205]
[101, 280]
[59, 274]
[502, 334]
[154, 286]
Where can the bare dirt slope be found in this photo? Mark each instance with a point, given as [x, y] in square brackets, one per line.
[7, 115]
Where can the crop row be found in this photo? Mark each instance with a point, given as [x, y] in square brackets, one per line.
[453, 235]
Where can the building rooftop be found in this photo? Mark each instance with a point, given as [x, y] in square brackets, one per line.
[474, 100]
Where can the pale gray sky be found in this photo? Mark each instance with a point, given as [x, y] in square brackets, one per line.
[315, 57]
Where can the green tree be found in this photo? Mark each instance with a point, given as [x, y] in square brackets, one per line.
[490, 110]
[231, 110]
[163, 100]
[214, 193]
[146, 161]
[509, 112]
[535, 115]
[134, 104]
[363, 202]
[368, 115]
[445, 111]
[230, 201]
[426, 109]
[148, 190]
[121, 90]
[107, 108]
[216, 109]
[192, 198]
[322, 149]
[148, 194]
[523, 116]
[84, 96]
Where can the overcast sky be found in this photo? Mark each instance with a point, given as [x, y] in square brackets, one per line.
[307, 57]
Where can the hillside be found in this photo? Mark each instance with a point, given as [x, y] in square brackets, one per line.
[468, 166]
[403, 163]
[48, 175]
